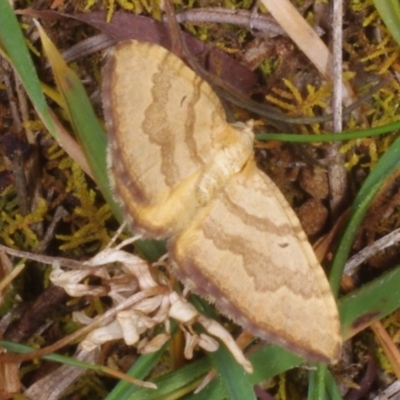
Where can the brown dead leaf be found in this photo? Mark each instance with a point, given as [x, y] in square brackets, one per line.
[125, 26]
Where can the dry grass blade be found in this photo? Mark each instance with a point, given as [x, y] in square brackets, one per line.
[10, 383]
[302, 34]
[389, 347]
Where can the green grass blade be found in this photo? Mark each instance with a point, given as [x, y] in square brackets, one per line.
[174, 385]
[329, 137]
[268, 361]
[236, 381]
[322, 386]
[316, 388]
[84, 121]
[13, 44]
[231, 383]
[370, 303]
[23, 349]
[332, 388]
[388, 163]
[389, 10]
[271, 360]
[140, 370]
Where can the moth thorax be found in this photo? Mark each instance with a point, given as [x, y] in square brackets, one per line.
[229, 160]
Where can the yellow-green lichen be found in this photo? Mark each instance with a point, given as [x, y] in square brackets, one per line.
[88, 224]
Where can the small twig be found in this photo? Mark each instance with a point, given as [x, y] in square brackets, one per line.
[248, 19]
[178, 44]
[31, 164]
[11, 98]
[24, 109]
[117, 234]
[87, 47]
[21, 188]
[10, 276]
[16, 157]
[392, 392]
[66, 262]
[128, 241]
[389, 240]
[337, 97]
[366, 381]
[65, 376]
[60, 213]
[336, 171]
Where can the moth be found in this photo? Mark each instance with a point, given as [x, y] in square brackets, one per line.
[182, 172]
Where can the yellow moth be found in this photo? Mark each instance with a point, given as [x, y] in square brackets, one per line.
[182, 172]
